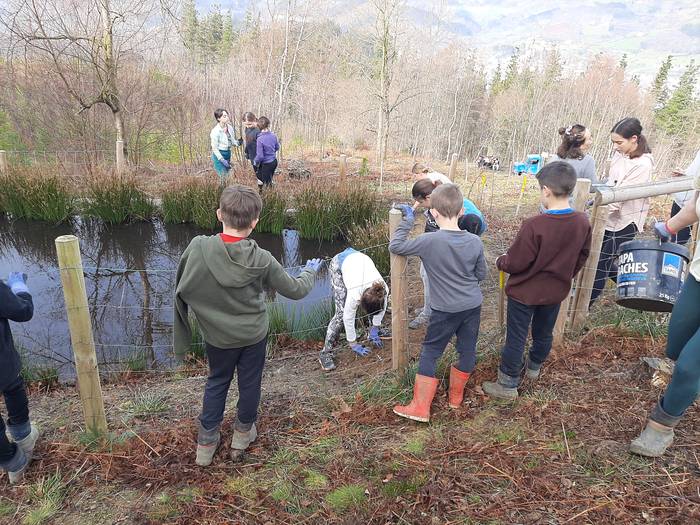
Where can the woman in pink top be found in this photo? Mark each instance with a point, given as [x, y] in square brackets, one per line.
[632, 163]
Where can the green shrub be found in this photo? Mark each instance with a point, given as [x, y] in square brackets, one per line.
[117, 199]
[346, 497]
[26, 194]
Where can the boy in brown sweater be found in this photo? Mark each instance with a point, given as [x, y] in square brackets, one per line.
[547, 253]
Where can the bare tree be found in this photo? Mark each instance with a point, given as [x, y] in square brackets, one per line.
[86, 42]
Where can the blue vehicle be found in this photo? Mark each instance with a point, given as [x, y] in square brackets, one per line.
[532, 165]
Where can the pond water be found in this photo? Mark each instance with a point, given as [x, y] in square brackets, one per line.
[130, 278]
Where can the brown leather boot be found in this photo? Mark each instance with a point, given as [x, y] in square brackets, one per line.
[456, 392]
[423, 393]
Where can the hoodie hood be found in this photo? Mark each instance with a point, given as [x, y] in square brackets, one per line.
[233, 265]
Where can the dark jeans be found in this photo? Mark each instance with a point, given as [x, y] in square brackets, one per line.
[249, 361]
[607, 264]
[520, 317]
[266, 171]
[18, 416]
[441, 327]
[683, 236]
[683, 346]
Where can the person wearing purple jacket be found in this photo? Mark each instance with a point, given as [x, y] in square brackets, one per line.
[266, 152]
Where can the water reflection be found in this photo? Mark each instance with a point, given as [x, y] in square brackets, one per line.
[131, 310]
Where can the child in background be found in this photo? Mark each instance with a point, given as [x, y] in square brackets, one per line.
[472, 220]
[267, 146]
[222, 278]
[576, 140]
[454, 262]
[421, 171]
[356, 282]
[15, 305]
[250, 125]
[546, 254]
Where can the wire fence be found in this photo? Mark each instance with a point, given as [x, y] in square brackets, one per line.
[501, 203]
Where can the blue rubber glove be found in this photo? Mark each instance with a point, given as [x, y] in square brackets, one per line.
[314, 265]
[662, 231]
[225, 163]
[406, 210]
[359, 349]
[17, 281]
[374, 337]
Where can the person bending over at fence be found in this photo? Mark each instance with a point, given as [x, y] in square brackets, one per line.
[576, 140]
[222, 138]
[421, 171]
[266, 150]
[681, 198]
[222, 278]
[471, 220]
[250, 125]
[631, 163]
[455, 265]
[15, 453]
[356, 283]
[548, 251]
[682, 345]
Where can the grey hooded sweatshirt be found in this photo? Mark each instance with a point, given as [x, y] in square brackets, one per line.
[223, 284]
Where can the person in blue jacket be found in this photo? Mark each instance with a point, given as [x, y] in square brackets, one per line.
[15, 453]
[471, 220]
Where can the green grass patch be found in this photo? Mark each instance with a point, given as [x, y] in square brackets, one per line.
[31, 195]
[165, 507]
[282, 491]
[197, 342]
[243, 486]
[390, 388]
[404, 487]
[298, 321]
[415, 444]
[346, 498]
[117, 199]
[146, 404]
[7, 508]
[508, 434]
[323, 449]
[137, 361]
[47, 497]
[314, 480]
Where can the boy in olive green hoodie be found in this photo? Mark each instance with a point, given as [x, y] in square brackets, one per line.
[222, 278]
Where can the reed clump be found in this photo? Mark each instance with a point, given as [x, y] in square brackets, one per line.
[328, 213]
[273, 217]
[117, 199]
[193, 200]
[31, 195]
[372, 238]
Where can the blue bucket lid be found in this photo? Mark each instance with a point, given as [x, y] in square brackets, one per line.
[654, 245]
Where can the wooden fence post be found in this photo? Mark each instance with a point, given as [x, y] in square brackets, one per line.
[453, 167]
[343, 168]
[3, 161]
[74, 292]
[399, 308]
[121, 161]
[584, 284]
[581, 196]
